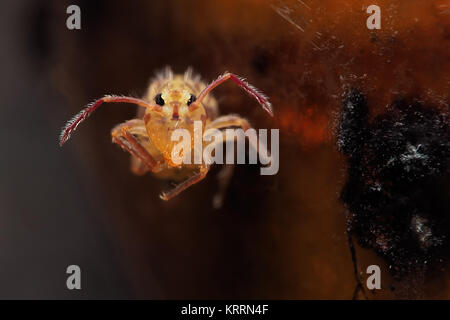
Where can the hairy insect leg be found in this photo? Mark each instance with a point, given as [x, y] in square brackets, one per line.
[128, 135]
[262, 99]
[186, 184]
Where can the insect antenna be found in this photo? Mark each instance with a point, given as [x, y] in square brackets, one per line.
[73, 123]
[262, 99]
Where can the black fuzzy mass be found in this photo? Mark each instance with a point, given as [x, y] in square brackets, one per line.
[397, 190]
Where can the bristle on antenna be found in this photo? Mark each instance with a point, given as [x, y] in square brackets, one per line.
[254, 92]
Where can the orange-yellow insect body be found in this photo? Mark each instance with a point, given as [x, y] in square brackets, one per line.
[171, 102]
[177, 94]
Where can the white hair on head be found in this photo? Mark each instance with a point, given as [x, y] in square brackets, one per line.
[165, 74]
[189, 75]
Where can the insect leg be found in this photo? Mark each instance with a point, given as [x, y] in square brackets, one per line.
[262, 99]
[226, 173]
[186, 184]
[125, 136]
[224, 178]
[233, 120]
[220, 124]
[229, 121]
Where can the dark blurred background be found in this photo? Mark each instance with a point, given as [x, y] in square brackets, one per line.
[277, 237]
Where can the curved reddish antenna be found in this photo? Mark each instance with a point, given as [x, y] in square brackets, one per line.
[262, 99]
[73, 123]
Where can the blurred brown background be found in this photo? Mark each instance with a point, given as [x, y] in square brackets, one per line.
[277, 237]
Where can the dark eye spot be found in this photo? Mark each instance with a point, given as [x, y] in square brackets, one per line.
[159, 100]
[191, 99]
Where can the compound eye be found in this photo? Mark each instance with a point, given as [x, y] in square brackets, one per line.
[191, 99]
[159, 100]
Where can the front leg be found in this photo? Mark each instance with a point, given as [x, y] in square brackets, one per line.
[204, 168]
[129, 135]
